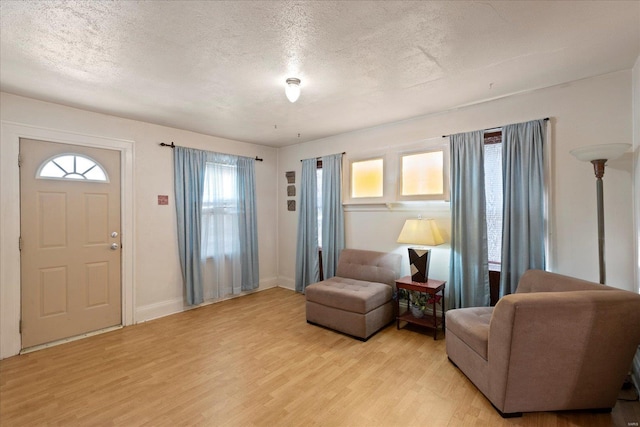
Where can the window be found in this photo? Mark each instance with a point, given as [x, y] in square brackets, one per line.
[319, 201]
[422, 176]
[367, 178]
[493, 209]
[319, 209]
[219, 211]
[72, 166]
[419, 173]
[493, 197]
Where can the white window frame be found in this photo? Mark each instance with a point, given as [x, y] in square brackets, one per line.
[64, 178]
[347, 183]
[445, 175]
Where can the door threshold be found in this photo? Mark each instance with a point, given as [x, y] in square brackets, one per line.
[70, 339]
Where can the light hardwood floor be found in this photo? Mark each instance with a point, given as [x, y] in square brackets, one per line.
[255, 361]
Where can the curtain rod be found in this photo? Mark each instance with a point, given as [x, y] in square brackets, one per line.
[546, 119]
[162, 144]
[319, 158]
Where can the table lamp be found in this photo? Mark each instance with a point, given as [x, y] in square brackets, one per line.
[420, 232]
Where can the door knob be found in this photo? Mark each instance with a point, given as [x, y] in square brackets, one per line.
[114, 246]
[114, 234]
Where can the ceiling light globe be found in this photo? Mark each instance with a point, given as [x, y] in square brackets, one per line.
[292, 90]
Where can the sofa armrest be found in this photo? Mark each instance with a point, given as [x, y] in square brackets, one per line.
[567, 350]
[544, 281]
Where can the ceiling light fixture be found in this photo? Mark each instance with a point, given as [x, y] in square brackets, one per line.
[292, 89]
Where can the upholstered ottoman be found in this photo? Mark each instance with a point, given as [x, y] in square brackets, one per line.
[358, 301]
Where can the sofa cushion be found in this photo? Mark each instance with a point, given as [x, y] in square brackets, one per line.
[357, 296]
[471, 325]
[369, 266]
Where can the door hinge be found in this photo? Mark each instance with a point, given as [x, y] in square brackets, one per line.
[19, 160]
[20, 243]
[20, 326]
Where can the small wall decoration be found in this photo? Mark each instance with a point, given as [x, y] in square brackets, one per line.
[163, 200]
[291, 190]
[291, 205]
[291, 177]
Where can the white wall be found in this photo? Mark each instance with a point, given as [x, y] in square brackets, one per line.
[636, 167]
[586, 112]
[157, 278]
[636, 195]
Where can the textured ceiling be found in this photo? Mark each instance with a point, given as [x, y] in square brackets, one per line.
[218, 67]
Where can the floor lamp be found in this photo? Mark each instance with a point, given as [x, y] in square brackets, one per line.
[598, 156]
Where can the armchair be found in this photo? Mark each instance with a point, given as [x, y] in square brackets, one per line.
[558, 343]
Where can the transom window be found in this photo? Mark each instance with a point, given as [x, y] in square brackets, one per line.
[72, 166]
[422, 174]
[367, 178]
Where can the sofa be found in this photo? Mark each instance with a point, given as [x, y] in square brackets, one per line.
[558, 343]
[358, 300]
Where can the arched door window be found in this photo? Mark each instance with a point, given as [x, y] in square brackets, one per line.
[72, 166]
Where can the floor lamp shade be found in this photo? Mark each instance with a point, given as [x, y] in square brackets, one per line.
[420, 232]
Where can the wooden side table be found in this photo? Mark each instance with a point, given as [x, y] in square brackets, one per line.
[432, 288]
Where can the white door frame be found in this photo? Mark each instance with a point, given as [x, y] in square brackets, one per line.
[11, 132]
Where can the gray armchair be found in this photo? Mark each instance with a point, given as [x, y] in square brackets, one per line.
[558, 343]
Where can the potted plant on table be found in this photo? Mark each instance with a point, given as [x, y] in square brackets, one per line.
[417, 303]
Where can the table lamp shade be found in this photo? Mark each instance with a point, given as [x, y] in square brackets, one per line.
[421, 232]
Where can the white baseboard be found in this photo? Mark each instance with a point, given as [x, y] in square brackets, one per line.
[269, 283]
[159, 309]
[167, 308]
[287, 283]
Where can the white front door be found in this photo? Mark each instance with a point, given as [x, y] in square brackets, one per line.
[70, 240]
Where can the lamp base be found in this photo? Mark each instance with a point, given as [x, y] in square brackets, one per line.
[419, 264]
